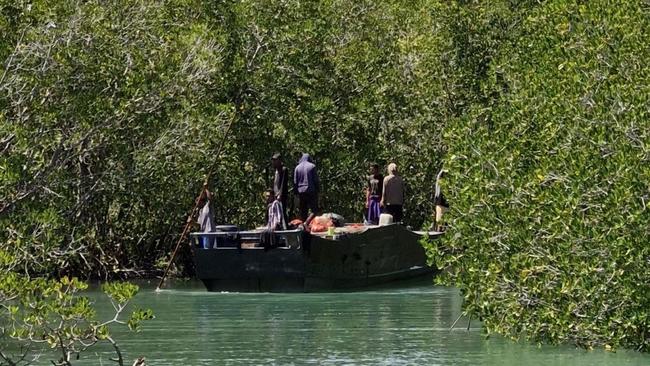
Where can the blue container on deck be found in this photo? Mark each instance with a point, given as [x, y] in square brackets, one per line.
[206, 242]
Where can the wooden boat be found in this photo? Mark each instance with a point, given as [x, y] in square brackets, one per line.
[353, 257]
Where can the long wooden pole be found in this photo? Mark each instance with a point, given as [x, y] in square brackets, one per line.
[195, 209]
[188, 224]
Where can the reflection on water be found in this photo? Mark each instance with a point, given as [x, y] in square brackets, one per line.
[388, 326]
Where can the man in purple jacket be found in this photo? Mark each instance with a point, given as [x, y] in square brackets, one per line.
[307, 185]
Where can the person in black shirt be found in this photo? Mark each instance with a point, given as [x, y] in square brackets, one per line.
[280, 182]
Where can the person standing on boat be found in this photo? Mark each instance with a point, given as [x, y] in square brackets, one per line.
[280, 182]
[307, 186]
[275, 219]
[392, 199]
[373, 194]
[441, 203]
[206, 218]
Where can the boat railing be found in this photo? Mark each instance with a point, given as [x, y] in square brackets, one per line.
[254, 239]
[249, 239]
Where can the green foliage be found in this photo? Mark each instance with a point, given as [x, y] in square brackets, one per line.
[51, 313]
[550, 171]
[120, 292]
[105, 131]
[137, 317]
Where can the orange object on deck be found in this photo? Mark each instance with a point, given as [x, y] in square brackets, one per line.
[317, 228]
[320, 224]
[296, 222]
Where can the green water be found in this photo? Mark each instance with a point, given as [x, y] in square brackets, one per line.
[390, 326]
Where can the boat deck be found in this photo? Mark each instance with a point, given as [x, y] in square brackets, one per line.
[250, 239]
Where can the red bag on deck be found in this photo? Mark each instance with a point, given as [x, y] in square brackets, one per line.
[320, 224]
[317, 228]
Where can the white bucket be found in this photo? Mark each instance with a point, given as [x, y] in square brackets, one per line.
[385, 219]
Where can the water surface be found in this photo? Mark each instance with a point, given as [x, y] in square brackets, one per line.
[388, 326]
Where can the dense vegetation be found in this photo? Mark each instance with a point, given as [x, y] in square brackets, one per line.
[111, 112]
[551, 174]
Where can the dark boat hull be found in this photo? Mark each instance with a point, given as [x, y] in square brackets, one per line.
[376, 256]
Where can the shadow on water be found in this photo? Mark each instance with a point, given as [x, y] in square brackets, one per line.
[418, 285]
[405, 324]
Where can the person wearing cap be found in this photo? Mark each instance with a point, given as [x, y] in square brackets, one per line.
[392, 199]
[280, 182]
